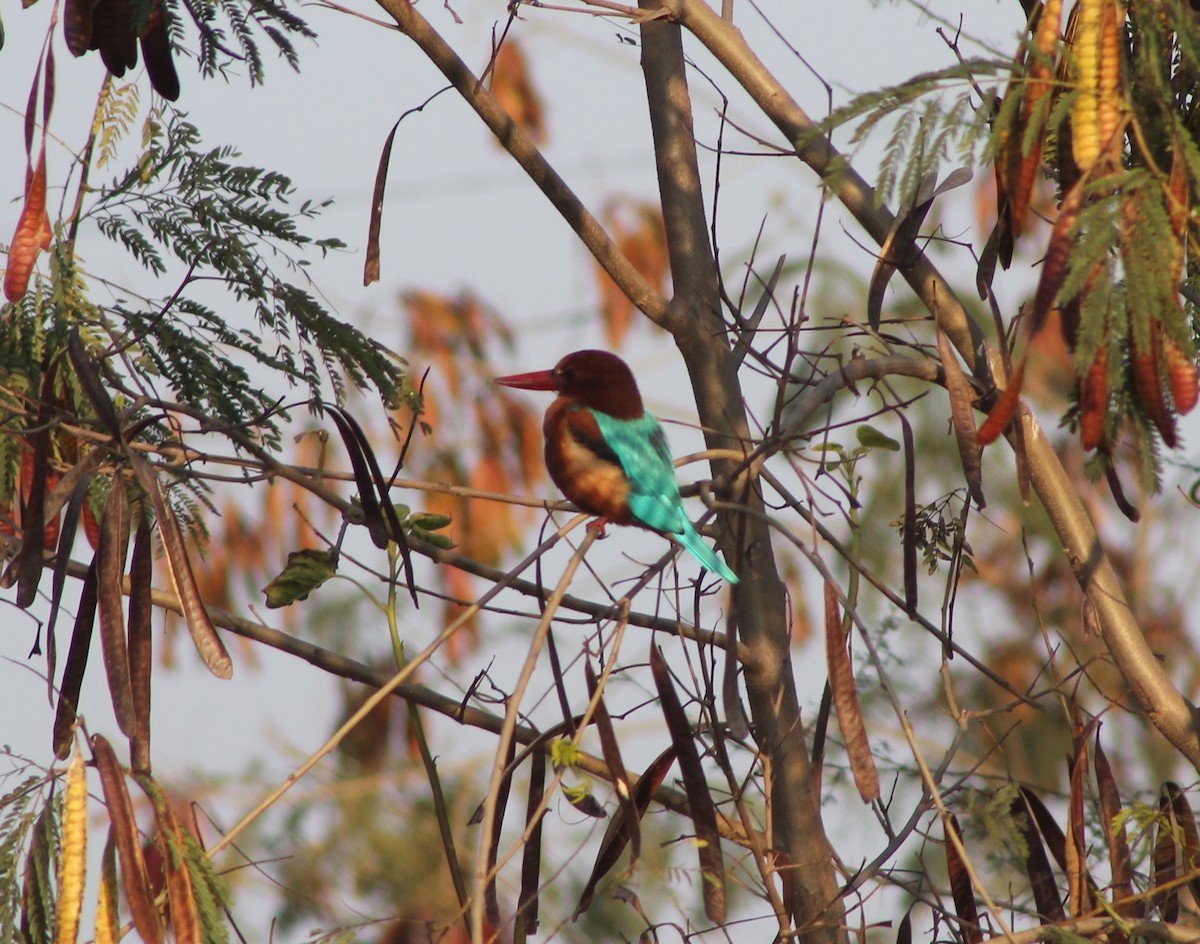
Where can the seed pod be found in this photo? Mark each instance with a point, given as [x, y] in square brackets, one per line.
[1038, 85]
[1056, 262]
[1108, 100]
[1147, 387]
[1085, 113]
[72, 859]
[31, 233]
[1093, 402]
[1182, 377]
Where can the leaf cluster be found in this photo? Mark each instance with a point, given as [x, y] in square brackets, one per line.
[232, 31]
[232, 222]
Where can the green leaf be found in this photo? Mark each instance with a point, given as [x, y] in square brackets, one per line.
[427, 521]
[871, 438]
[305, 571]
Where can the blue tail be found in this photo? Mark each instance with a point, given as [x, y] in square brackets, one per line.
[707, 557]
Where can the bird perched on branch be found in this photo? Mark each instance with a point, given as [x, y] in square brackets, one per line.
[607, 454]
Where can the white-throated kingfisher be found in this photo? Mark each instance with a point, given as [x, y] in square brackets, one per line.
[607, 454]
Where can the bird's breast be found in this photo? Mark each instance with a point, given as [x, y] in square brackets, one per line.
[577, 462]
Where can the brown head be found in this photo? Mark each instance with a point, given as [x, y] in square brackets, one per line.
[594, 379]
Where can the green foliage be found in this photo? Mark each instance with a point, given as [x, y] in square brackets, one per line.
[224, 24]
[18, 816]
[230, 221]
[930, 124]
[940, 532]
[303, 573]
[212, 898]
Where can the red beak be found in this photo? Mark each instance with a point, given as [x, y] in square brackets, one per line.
[537, 380]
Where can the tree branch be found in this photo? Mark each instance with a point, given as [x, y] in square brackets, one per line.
[514, 140]
[1166, 707]
[805, 858]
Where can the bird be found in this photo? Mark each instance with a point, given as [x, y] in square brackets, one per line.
[609, 456]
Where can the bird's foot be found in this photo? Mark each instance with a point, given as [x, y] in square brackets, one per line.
[597, 526]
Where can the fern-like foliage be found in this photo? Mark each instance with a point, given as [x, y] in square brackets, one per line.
[933, 115]
[203, 209]
[17, 816]
[231, 31]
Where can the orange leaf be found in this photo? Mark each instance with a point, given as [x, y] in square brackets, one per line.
[513, 89]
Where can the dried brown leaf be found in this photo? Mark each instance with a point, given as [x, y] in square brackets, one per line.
[513, 88]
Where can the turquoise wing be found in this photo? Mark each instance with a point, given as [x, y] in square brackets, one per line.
[641, 446]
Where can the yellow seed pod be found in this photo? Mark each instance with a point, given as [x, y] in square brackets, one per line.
[72, 857]
[1085, 114]
[107, 920]
[106, 917]
[1108, 102]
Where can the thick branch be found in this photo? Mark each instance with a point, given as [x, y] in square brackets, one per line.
[760, 605]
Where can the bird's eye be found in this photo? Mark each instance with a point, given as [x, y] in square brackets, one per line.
[567, 374]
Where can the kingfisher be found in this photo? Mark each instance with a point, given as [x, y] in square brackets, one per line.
[607, 454]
